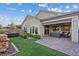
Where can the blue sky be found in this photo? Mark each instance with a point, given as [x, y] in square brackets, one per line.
[16, 12]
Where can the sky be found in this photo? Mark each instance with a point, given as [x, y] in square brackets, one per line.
[16, 12]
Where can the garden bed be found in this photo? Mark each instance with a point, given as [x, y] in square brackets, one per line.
[10, 51]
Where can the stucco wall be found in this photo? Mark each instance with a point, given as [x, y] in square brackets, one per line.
[32, 21]
[46, 14]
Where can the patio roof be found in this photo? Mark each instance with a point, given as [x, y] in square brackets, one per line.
[55, 17]
[62, 15]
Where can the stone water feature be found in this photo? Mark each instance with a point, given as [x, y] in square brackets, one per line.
[7, 48]
[4, 42]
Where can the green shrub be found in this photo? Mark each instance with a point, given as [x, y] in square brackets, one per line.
[13, 35]
[27, 35]
[1, 30]
[23, 35]
[37, 36]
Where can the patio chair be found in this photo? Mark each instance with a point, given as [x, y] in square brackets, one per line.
[65, 34]
[62, 34]
[68, 34]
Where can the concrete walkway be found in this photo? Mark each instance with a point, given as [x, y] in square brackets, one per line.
[64, 45]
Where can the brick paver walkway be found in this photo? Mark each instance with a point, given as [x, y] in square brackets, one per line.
[64, 45]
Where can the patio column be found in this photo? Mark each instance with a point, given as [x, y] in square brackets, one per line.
[74, 29]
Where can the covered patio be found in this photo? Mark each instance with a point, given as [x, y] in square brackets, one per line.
[58, 30]
[62, 24]
[64, 45]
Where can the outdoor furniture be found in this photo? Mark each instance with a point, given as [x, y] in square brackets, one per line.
[61, 34]
[55, 34]
[4, 42]
[69, 34]
[65, 34]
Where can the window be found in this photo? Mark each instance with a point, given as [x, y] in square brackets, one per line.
[33, 29]
[36, 30]
[25, 29]
[30, 30]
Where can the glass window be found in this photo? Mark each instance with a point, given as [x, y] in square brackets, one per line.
[33, 29]
[25, 29]
[30, 29]
[36, 30]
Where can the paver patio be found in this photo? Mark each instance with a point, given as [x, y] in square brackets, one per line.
[64, 45]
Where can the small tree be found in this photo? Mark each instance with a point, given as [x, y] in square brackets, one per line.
[12, 26]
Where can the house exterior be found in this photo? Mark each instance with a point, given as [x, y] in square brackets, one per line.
[46, 22]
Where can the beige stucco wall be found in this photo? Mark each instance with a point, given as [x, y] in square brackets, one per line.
[32, 21]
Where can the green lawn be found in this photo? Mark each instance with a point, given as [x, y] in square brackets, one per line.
[30, 48]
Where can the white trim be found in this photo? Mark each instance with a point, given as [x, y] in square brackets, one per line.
[17, 50]
[15, 47]
[57, 22]
[52, 20]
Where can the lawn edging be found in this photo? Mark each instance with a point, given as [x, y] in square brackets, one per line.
[17, 50]
[52, 48]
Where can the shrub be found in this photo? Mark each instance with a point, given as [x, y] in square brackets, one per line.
[37, 36]
[1, 31]
[27, 35]
[13, 34]
[23, 34]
